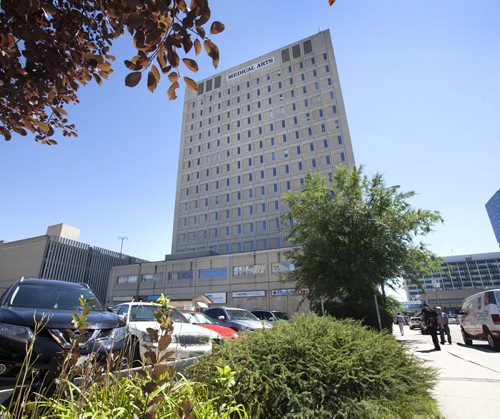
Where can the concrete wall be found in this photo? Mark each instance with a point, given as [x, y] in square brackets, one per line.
[21, 258]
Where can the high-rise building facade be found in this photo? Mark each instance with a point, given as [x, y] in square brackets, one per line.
[493, 210]
[250, 134]
[459, 277]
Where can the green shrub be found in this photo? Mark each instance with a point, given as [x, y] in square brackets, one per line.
[320, 367]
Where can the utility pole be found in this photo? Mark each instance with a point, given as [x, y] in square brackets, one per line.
[121, 246]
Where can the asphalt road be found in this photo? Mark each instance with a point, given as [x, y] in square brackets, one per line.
[469, 376]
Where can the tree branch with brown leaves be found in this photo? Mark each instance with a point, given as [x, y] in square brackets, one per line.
[49, 48]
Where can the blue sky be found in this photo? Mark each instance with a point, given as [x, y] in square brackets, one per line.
[421, 86]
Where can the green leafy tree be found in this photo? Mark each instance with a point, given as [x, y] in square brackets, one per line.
[352, 238]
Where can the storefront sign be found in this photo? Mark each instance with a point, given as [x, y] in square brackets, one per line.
[239, 294]
[217, 297]
[289, 291]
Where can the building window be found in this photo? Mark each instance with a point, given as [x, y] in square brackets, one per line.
[307, 46]
[285, 55]
[127, 279]
[215, 273]
[183, 275]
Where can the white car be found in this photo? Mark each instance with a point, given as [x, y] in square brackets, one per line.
[188, 340]
[480, 318]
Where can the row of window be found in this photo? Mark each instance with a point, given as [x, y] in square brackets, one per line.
[254, 193]
[301, 89]
[215, 83]
[213, 273]
[207, 147]
[281, 155]
[259, 118]
[257, 177]
[269, 128]
[258, 106]
[189, 244]
[277, 145]
[130, 279]
[273, 149]
[233, 230]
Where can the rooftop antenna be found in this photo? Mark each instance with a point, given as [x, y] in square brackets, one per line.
[122, 238]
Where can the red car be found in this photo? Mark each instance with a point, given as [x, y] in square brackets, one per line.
[202, 320]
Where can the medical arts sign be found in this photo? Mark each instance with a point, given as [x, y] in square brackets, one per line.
[250, 68]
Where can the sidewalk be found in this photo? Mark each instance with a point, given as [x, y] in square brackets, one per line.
[469, 377]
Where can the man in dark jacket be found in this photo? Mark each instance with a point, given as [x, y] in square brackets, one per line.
[431, 322]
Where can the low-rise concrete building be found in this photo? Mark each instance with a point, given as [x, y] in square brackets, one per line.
[59, 255]
[248, 280]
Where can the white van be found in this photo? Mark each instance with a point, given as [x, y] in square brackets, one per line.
[480, 318]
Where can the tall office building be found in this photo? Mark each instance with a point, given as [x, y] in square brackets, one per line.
[250, 134]
[493, 210]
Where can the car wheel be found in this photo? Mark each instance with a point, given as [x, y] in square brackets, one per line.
[466, 338]
[492, 342]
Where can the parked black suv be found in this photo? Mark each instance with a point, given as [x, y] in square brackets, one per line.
[51, 303]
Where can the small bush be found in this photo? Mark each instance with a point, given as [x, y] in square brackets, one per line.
[320, 367]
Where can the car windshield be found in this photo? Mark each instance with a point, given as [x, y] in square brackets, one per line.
[240, 315]
[143, 313]
[198, 318]
[48, 296]
[280, 315]
[146, 313]
[497, 297]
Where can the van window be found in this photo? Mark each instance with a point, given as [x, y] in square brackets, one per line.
[489, 298]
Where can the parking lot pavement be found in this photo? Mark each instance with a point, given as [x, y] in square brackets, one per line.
[469, 376]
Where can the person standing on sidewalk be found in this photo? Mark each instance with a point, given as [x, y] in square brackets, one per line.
[431, 323]
[401, 322]
[443, 325]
